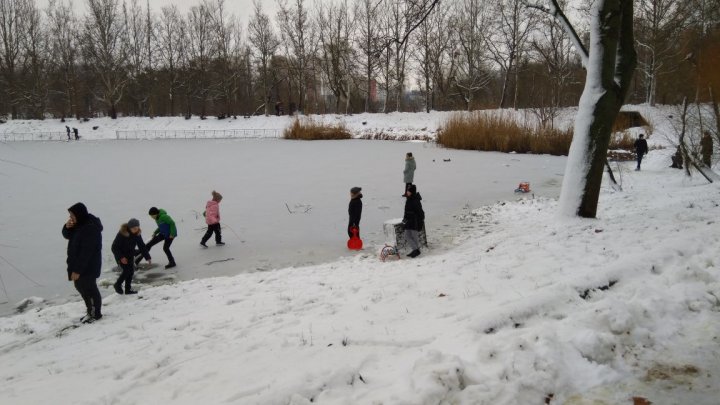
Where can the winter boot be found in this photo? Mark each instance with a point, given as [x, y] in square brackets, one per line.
[220, 244]
[117, 288]
[170, 265]
[203, 245]
[415, 253]
[130, 292]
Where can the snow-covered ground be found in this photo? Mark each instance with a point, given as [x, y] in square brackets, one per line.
[512, 313]
[511, 305]
[120, 180]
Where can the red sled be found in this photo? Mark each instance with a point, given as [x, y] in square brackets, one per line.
[355, 243]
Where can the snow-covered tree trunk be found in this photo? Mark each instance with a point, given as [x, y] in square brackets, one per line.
[610, 68]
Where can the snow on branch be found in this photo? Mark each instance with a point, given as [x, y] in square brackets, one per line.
[556, 12]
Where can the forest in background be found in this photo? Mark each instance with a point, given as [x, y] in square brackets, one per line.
[124, 58]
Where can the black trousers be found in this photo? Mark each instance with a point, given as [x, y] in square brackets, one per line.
[128, 270]
[88, 289]
[166, 246]
[214, 228]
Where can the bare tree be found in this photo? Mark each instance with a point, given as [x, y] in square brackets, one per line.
[227, 39]
[659, 24]
[610, 64]
[106, 51]
[171, 40]
[64, 46]
[11, 31]
[508, 42]
[554, 49]
[367, 42]
[432, 43]
[470, 19]
[265, 43]
[200, 55]
[139, 37]
[299, 38]
[34, 94]
[336, 49]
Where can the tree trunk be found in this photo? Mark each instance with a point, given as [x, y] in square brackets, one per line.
[610, 70]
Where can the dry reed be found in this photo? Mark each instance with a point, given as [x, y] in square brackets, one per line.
[501, 133]
[309, 130]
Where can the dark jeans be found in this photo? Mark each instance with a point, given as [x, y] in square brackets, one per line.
[128, 270]
[166, 246]
[214, 228]
[88, 289]
[639, 160]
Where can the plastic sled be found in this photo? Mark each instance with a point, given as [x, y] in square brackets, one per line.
[355, 243]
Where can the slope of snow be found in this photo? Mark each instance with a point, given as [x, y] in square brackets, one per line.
[498, 319]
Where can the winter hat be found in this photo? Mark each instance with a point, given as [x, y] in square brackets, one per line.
[216, 196]
[153, 211]
[80, 211]
[356, 190]
[132, 223]
[412, 189]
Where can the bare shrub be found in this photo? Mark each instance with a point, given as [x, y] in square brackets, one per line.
[309, 130]
[502, 133]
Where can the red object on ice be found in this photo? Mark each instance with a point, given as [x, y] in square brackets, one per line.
[524, 187]
[355, 243]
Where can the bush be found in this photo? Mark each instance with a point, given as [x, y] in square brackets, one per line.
[309, 130]
[501, 133]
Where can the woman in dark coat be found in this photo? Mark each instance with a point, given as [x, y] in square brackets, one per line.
[84, 257]
[355, 210]
[413, 219]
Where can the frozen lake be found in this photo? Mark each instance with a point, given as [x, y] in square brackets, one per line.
[259, 180]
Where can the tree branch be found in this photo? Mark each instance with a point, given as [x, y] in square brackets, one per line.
[556, 12]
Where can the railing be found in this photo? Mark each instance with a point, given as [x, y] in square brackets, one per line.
[199, 134]
[33, 136]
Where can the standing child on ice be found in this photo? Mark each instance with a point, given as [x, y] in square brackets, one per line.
[212, 219]
[355, 210]
[166, 232]
[124, 248]
[409, 172]
[413, 219]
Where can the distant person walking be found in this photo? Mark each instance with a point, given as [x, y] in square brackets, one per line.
[84, 257]
[77, 135]
[409, 172]
[67, 128]
[706, 148]
[413, 219]
[127, 242]
[212, 219]
[641, 149]
[355, 210]
[166, 232]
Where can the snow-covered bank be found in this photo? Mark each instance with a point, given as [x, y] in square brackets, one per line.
[386, 126]
[499, 319]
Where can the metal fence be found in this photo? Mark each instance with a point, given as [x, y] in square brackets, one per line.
[200, 134]
[33, 136]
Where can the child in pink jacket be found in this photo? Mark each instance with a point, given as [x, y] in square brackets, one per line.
[212, 218]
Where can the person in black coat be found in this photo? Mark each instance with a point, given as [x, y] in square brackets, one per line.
[641, 149]
[84, 257]
[126, 245]
[413, 219]
[355, 210]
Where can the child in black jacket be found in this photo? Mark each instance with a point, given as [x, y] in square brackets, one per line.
[355, 210]
[124, 249]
